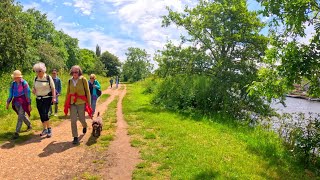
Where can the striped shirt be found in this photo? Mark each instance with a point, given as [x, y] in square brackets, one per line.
[19, 89]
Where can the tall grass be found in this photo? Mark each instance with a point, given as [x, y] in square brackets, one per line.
[184, 146]
[8, 118]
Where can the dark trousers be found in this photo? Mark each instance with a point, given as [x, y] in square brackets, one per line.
[43, 106]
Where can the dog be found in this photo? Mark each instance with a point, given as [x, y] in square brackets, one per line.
[97, 126]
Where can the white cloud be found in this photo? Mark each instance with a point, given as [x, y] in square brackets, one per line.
[84, 6]
[142, 18]
[67, 3]
[30, 6]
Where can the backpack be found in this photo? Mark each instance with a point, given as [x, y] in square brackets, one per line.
[48, 81]
[98, 92]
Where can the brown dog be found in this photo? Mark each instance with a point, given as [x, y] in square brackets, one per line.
[97, 126]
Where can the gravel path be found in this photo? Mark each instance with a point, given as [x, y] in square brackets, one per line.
[58, 158]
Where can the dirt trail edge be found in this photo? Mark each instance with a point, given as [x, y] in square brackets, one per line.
[121, 156]
[58, 158]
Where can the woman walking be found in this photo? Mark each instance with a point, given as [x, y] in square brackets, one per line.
[78, 99]
[44, 89]
[94, 87]
[20, 93]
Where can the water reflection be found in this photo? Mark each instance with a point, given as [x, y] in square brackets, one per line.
[296, 105]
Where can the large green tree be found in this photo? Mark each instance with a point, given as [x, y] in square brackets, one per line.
[111, 63]
[14, 36]
[137, 66]
[289, 60]
[222, 48]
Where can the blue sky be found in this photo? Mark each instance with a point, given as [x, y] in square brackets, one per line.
[114, 24]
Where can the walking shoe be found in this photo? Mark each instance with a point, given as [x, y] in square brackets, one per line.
[49, 133]
[55, 114]
[15, 136]
[84, 130]
[29, 128]
[44, 132]
[75, 140]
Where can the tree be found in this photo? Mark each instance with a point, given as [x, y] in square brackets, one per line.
[289, 60]
[224, 48]
[98, 51]
[87, 60]
[14, 36]
[111, 63]
[137, 66]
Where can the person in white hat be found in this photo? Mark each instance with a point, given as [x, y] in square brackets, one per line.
[44, 89]
[19, 94]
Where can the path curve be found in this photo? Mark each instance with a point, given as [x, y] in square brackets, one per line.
[57, 157]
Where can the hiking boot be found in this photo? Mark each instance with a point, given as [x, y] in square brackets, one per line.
[15, 136]
[84, 130]
[49, 133]
[44, 132]
[75, 140]
[29, 128]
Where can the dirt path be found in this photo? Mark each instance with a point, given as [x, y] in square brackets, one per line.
[58, 158]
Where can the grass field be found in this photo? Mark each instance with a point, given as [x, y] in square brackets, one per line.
[8, 118]
[183, 146]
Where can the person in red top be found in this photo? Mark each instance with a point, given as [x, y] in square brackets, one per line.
[78, 100]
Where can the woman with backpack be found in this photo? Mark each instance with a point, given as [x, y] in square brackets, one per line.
[95, 91]
[44, 89]
[19, 94]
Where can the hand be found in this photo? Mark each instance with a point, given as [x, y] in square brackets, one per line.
[33, 91]
[54, 99]
[7, 106]
[94, 86]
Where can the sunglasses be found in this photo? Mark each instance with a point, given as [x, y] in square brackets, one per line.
[38, 71]
[91, 78]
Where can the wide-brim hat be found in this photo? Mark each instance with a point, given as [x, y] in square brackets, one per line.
[16, 73]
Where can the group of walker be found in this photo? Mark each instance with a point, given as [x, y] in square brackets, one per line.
[81, 97]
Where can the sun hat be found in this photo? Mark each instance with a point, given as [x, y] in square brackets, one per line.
[16, 73]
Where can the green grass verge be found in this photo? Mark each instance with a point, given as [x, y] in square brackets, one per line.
[8, 118]
[178, 146]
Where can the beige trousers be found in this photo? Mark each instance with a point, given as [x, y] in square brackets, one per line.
[75, 112]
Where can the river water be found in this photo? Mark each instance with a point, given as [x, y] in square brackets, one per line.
[296, 105]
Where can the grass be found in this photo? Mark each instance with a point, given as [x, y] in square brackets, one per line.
[8, 118]
[184, 146]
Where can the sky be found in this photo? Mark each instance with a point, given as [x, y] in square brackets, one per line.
[115, 25]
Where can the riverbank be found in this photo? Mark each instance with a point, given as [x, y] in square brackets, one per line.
[182, 146]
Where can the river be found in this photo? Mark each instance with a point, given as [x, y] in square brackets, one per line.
[296, 105]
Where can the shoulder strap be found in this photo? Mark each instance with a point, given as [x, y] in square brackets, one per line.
[48, 79]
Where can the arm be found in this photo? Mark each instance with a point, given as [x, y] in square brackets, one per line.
[10, 95]
[53, 89]
[98, 86]
[59, 86]
[68, 91]
[27, 92]
[87, 91]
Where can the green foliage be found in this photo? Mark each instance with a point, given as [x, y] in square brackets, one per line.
[111, 63]
[302, 133]
[215, 71]
[137, 66]
[293, 59]
[14, 37]
[90, 63]
[195, 146]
